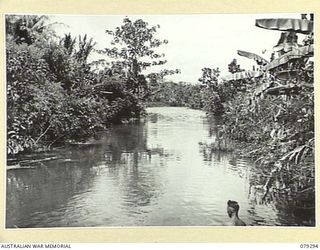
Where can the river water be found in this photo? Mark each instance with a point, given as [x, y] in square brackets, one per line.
[153, 173]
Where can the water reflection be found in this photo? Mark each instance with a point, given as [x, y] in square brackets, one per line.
[156, 172]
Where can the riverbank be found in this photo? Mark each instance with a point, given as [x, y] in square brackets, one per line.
[152, 173]
[290, 185]
[156, 104]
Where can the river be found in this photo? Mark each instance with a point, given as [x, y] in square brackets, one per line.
[152, 173]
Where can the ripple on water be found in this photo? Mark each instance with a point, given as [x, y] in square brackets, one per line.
[152, 173]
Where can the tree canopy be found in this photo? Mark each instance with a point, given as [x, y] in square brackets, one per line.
[53, 93]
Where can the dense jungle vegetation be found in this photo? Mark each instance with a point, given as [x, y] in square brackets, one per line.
[55, 95]
[207, 95]
[267, 115]
[275, 127]
[271, 119]
[169, 93]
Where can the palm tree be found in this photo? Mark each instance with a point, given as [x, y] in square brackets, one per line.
[68, 43]
[85, 48]
[28, 28]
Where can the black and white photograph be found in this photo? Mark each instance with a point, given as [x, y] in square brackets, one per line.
[184, 120]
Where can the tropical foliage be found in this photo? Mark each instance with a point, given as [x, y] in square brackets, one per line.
[54, 95]
[271, 117]
[168, 93]
[134, 45]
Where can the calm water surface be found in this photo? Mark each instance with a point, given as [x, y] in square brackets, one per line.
[155, 173]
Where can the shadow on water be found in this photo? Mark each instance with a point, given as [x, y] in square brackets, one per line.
[156, 172]
[291, 209]
[41, 195]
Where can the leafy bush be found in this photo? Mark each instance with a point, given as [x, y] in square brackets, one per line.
[176, 94]
[52, 93]
[209, 92]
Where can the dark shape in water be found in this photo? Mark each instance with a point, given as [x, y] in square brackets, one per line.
[232, 210]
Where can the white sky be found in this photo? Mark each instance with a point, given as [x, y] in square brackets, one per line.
[195, 41]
